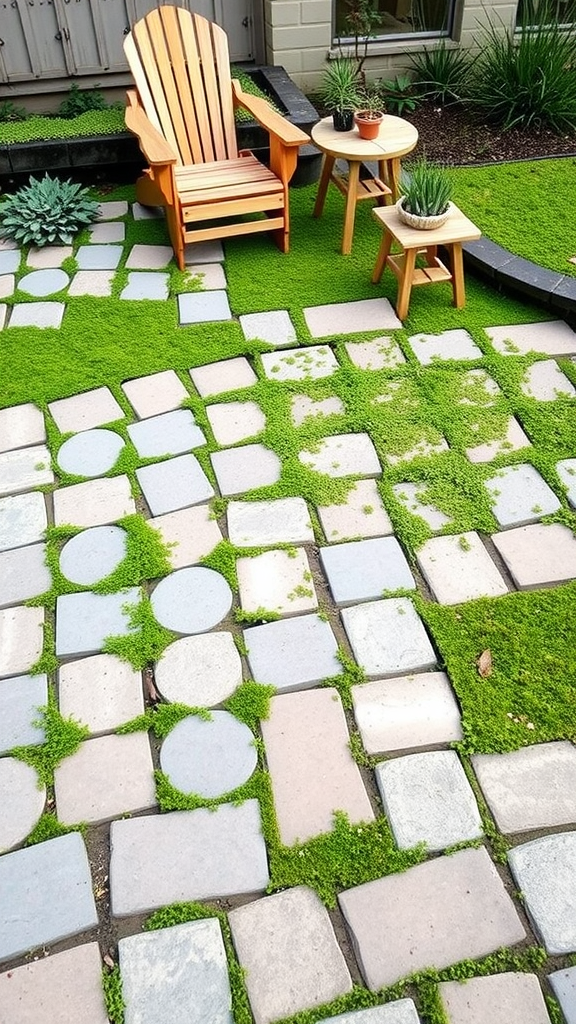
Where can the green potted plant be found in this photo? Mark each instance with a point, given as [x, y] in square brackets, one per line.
[370, 113]
[425, 200]
[339, 91]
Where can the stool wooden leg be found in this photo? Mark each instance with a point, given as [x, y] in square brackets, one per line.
[350, 212]
[327, 167]
[383, 253]
[431, 253]
[405, 284]
[457, 275]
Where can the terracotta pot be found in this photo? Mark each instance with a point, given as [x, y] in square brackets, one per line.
[368, 123]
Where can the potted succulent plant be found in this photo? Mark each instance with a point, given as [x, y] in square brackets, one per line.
[370, 113]
[339, 91]
[425, 200]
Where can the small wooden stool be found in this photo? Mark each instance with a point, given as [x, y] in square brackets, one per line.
[413, 243]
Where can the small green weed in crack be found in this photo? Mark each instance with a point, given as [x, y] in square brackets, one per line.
[147, 639]
[255, 618]
[113, 996]
[63, 736]
[162, 718]
[47, 663]
[350, 676]
[358, 752]
[48, 827]
[250, 703]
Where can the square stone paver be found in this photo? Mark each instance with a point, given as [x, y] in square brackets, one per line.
[46, 895]
[102, 692]
[168, 434]
[63, 988]
[20, 700]
[198, 855]
[520, 495]
[513, 440]
[263, 523]
[544, 872]
[406, 713]
[388, 637]
[422, 449]
[428, 799]
[279, 581]
[149, 257]
[478, 389]
[37, 314]
[312, 771]
[155, 394]
[433, 915]
[274, 328]
[20, 426]
[177, 974]
[501, 999]
[309, 363]
[343, 455]
[545, 382]
[203, 307]
[351, 317]
[401, 1011]
[303, 408]
[274, 938]
[21, 638]
[84, 621]
[227, 375]
[530, 788]
[378, 354]
[112, 210]
[210, 276]
[458, 568]
[292, 654]
[22, 520]
[173, 484]
[243, 469]
[3, 312]
[23, 574]
[538, 555]
[365, 569]
[107, 231]
[566, 470]
[9, 261]
[204, 252]
[93, 503]
[141, 285]
[105, 778]
[92, 282]
[235, 421]
[564, 987]
[456, 344]
[551, 338]
[362, 514]
[411, 496]
[99, 257]
[190, 533]
[7, 282]
[84, 411]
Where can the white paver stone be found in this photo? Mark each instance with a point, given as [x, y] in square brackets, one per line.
[191, 600]
[242, 469]
[199, 671]
[21, 638]
[458, 568]
[22, 520]
[102, 692]
[203, 307]
[455, 344]
[107, 231]
[303, 408]
[106, 777]
[20, 700]
[310, 363]
[211, 276]
[208, 758]
[362, 514]
[63, 988]
[37, 314]
[433, 915]
[203, 252]
[20, 426]
[92, 555]
[502, 999]
[262, 523]
[378, 354]
[24, 469]
[84, 621]
[530, 788]
[94, 502]
[168, 434]
[198, 855]
[478, 388]
[364, 569]
[545, 382]
[92, 282]
[235, 421]
[149, 257]
[351, 317]
[7, 282]
[41, 283]
[190, 533]
[22, 801]
[513, 440]
[292, 654]
[343, 455]
[226, 375]
[86, 410]
[174, 484]
[48, 256]
[551, 338]
[112, 210]
[406, 713]
[544, 872]
[275, 328]
[564, 988]
[422, 449]
[401, 1011]
[151, 285]
[411, 497]
[312, 771]
[388, 637]
[520, 495]
[90, 453]
[539, 554]
[99, 257]
[23, 574]
[274, 938]
[278, 581]
[155, 394]
[566, 470]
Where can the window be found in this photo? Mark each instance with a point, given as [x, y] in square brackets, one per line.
[402, 17]
[546, 12]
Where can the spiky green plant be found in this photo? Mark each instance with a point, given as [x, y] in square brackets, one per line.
[426, 189]
[46, 211]
[441, 73]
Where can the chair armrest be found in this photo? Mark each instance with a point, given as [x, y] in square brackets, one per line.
[268, 118]
[154, 146]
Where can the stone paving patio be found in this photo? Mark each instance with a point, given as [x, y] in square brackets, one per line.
[57, 903]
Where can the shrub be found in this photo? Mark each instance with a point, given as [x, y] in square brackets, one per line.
[527, 78]
[46, 211]
[426, 189]
[398, 94]
[78, 101]
[10, 112]
[441, 74]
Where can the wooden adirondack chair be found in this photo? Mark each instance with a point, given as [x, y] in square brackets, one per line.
[183, 115]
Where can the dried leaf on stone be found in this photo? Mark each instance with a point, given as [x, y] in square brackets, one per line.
[484, 664]
[108, 961]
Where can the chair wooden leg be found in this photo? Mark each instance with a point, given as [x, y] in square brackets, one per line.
[147, 191]
[176, 232]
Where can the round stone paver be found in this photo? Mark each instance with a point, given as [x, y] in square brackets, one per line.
[191, 600]
[43, 282]
[209, 758]
[199, 671]
[93, 554]
[90, 453]
[21, 800]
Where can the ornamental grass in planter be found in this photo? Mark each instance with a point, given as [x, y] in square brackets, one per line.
[339, 92]
[425, 200]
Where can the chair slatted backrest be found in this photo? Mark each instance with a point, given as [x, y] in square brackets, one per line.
[181, 67]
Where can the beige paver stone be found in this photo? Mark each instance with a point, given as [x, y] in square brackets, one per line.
[303, 408]
[94, 503]
[102, 692]
[92, 282]
[351, 317]
[25, 468]
[106, 777]
[454, 344]
[211, 276]
[378, 354]
[411, 497]
[530, 788]
[21, 637]
[191, 534]
[279, 581]
[422, 449]
[226, 375]
[149, 257]
[155, 394]
[48, 257]
[458, 568]
[84, 411]
[362, 514]
[343, 455]
[312, 770]
[310, 363]
[539, 554]
[545, 382]
[20, 426]
[235, 421]
[7, 282]
[64, 988]
[3, 314]
[478, 388]
[501, 999]
[514, 439]
[550, 337]
[407, 712]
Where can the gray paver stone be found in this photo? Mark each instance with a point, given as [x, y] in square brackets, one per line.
[23, 574]
[7, 282]
[92, 555]
[99, 257]
[9, 261]
[520, 495]
[407, 712]
[21, 638]
[46, 894]
[41, 283]
[84, 621]
[261, 523]
[455, 344]
[191, 600]
[176, 974]
[361, 515]
[153, 286]
[410, 496]
[303, 408]
[48, 256]
[140, 212]
[242, 469]
[190, 533]
[107, 231]
[90, 453]
[388, 637]
[292, 654]
[459, 568]
[530, 788]
[378, 354]
[513, 440]
[102, 692]
[235, 421]
[203, 307]
[93, 503]
[155, 394]
[20, 699]
[211, 276]
[544, 872]
[86, 410]
[3, 313]
[149, 257]
[22, 801]
[312, 771]
[538, 554]
[351, 317]
[279, 581]
[310, 363]
[174, 484]
[199, 671]
[63, 988]
[401, 1011]
[343, 455]
[427, 798]
[564, 987]
[106, 777]
[22, 520]
[566, 470]
[92, 282]
[551, 338]
[208, 758]
[275, 328]
[111, 210]
[365, 569]
[198, 855]
[37, 314]
[203, 252]
[20, 426]
[406, 922]
[545, 382]
[168, 434]
[274, 938]
[502, 999]
[226, 375]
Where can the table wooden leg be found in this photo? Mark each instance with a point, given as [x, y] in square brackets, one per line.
[457, 275]
[327, 166]
[350, 212]
[405, 284]
[395, 178]
[383, 254]
[384, 175]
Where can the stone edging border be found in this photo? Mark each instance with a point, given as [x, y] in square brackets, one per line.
[506, 270]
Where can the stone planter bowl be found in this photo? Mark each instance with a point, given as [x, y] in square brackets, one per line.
[422, 223]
